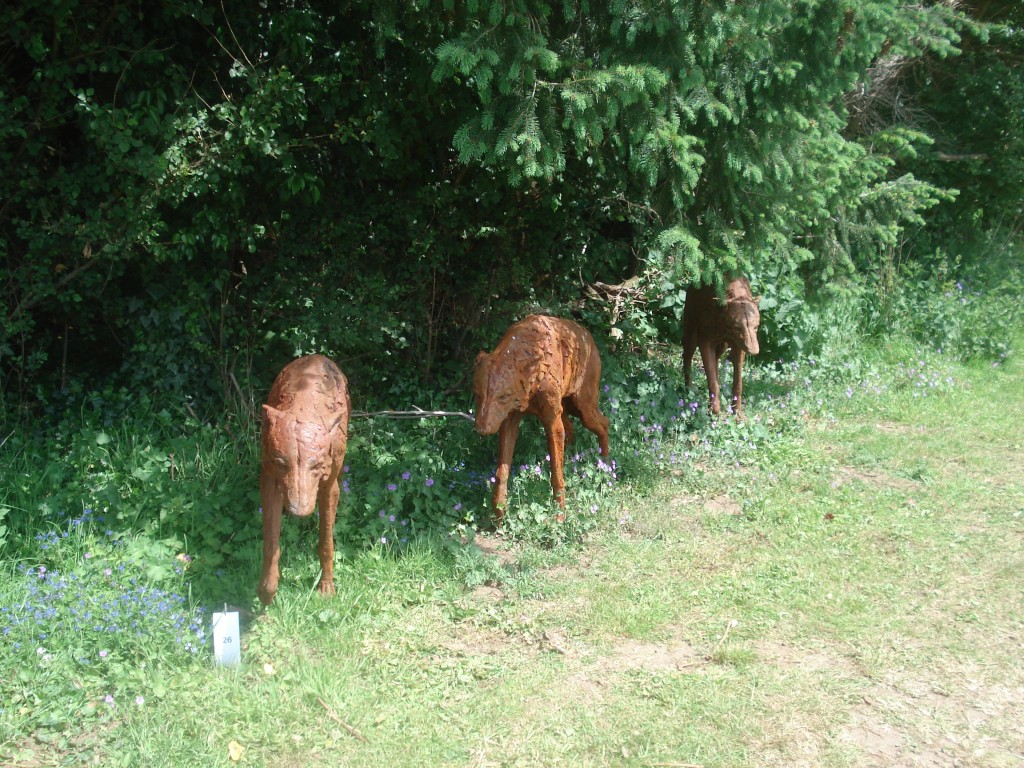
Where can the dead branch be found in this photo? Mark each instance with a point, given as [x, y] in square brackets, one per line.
[341, 722]
[880, 102]
[947, 158]
[417, 413]
[614, 294]
[597, 289]
[722, 639]
[32, 300]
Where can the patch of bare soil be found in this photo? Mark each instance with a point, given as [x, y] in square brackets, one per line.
[650, 657]
[722, 505]
[495, 546]
[564, 571]
[469, 640]
[591, 675]
[684, 501]
[900, 429]
[487, 594]
[949, 719]
[880, 741]
[785, 656]
[624, 656]
[877, 479]
[914, 723]
[691, 505]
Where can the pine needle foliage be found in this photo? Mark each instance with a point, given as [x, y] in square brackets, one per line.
[727, 119]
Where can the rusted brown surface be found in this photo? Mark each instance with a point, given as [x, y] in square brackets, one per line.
[712, 325]
[548, 367]
[305, 431]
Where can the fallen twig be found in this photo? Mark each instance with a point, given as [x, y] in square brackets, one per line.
[417, 413]
[342, 723]
[732, 622]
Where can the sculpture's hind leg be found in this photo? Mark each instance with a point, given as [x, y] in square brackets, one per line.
[709, 354]
[568, 410]
[689, 347]
[585, 407]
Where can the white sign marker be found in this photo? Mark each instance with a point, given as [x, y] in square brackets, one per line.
[227, 640]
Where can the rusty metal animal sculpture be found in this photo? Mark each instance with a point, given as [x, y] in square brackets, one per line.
[305, 432]
[548, 367]
[713, 325]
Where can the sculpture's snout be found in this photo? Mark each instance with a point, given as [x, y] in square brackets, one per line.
[486, 423]
[300, 497]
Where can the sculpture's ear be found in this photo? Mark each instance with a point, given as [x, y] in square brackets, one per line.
[269, 414]
[481, 374]
[757, 299]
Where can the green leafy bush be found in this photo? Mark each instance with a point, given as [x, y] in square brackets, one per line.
[969, 311]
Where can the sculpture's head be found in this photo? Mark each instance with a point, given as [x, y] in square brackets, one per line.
[744, 318]
[299, 456]
[495, 392]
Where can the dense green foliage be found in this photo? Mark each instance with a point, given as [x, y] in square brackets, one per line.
[973, 106]
[205, 190]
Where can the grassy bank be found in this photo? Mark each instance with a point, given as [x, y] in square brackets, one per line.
[834, 583]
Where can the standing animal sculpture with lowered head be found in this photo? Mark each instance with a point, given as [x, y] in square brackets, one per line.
[548, 367]
[712, 325]
[305, 432]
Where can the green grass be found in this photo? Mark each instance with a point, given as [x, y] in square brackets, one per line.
[845, 591]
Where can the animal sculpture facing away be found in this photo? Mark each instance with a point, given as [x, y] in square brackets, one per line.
[548, 367]
[713, 325]
[305, 432]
